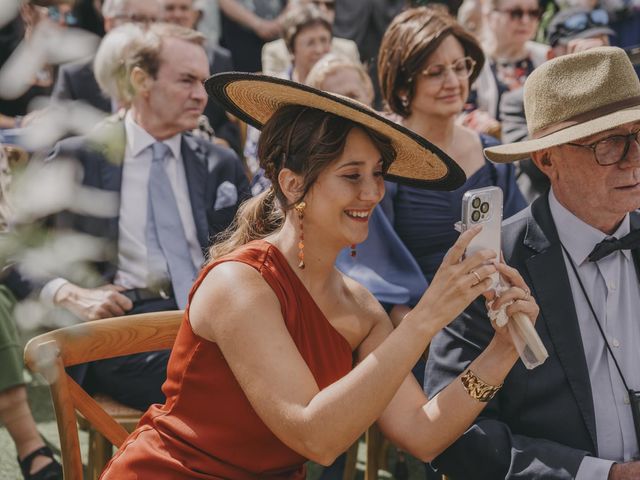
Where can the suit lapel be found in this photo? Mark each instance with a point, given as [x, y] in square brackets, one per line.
[635, 225]
[551, 285]
[195, 167]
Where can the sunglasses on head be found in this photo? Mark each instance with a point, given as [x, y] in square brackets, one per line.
[579, 22]
[519, 13]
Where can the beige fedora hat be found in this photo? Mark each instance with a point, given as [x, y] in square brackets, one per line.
[254, 98]
[575, 96]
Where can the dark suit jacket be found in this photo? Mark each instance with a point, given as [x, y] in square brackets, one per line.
[76, 82]
[101, 156]
[542, 422]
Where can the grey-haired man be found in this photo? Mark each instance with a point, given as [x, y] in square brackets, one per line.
[571, 417]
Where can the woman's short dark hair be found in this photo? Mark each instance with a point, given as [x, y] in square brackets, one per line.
[301, 17]
[411, 38]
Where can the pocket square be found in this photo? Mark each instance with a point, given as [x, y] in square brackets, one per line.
[226, 195]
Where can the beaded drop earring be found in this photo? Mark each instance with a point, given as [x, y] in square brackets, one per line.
[300, 206]
[353, 251]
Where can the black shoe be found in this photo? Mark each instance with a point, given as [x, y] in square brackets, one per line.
[51, 471]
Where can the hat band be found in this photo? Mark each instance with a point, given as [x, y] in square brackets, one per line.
[586, 116]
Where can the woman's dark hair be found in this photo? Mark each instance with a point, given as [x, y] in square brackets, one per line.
[411, 38]
[306, 141]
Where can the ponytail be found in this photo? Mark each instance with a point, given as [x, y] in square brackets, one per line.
[257, 218]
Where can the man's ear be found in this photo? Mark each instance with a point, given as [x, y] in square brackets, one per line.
[545, 162]
[140, 81]
[291, 184]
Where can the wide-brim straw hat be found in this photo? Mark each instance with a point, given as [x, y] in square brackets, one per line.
[254, 98]
[573, 97]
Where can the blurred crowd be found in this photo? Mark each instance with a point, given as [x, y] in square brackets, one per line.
[102, 111]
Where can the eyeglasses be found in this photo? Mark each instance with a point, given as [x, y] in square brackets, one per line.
[579, 22]
[462, 68]
[67, 18]
[519, 13]
[612, 149]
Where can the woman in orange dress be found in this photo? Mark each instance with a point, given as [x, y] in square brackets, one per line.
[262, 376]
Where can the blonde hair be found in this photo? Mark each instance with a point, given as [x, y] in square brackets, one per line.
[108, 65]
[329, 64]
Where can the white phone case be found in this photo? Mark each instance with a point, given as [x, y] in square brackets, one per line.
[483, 206]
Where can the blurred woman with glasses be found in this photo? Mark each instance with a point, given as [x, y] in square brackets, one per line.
[508, 27]
[427, 64]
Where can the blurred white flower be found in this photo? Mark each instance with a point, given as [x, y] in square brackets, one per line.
[45, 188]
[65, 255]
[52, 122]
[49, 45]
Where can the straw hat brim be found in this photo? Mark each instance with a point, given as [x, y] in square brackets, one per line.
[521, 150]
[254, 98]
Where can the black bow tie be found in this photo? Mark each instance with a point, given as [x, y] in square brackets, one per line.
[610, 245]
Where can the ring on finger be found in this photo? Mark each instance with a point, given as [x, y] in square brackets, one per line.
[477, 276]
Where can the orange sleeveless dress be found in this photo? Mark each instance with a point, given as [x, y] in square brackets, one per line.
[207, 428]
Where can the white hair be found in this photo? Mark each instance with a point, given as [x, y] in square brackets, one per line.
[109, 66]
[113, 8]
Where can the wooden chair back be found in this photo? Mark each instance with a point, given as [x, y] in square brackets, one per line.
[50, 353]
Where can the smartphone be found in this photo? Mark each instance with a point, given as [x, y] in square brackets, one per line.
[483, 206]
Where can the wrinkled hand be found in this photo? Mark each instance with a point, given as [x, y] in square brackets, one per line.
[518, 293]
[625, 471]
[93, 303]
[457, 282]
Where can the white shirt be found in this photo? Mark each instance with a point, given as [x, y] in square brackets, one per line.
[612, 286]
[132, 249]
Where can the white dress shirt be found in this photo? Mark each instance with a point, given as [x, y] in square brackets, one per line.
[612, 286]
[132, 249]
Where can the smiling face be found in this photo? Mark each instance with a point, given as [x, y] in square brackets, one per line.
[442, 97]
[599, 195]
[341, 200]
[174, 100]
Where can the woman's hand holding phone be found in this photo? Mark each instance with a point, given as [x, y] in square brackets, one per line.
[457, 282]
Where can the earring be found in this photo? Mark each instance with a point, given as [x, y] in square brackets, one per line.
[353, 251]
[300, 206]
[404, 101]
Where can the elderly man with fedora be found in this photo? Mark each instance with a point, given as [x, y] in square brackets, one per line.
[578, 249]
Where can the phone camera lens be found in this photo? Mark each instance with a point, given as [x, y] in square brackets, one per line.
[484, 208]
[475, 215]
[475, 203]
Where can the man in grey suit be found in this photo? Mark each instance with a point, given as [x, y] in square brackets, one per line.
[169, 193]
[571, 417]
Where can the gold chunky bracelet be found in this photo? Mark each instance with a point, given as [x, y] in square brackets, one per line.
[478, 389]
